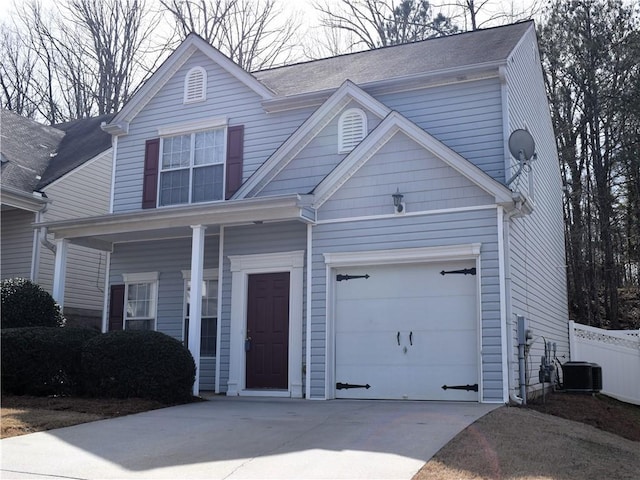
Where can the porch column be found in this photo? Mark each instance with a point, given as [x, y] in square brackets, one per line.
[60, 271]
[195, 299]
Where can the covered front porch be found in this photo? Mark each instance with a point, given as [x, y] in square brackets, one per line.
[207, 254]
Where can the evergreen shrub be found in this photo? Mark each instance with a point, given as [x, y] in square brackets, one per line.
[138, 363]
[26, 304]
[43, 360]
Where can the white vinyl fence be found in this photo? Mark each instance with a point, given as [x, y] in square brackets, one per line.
[616, 351]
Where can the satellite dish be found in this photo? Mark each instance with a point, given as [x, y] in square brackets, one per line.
[521, 141]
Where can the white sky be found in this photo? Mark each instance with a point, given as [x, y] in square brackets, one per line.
[306, 6]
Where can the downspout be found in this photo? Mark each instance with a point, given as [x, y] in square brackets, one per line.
[506, 223]
[45, 241]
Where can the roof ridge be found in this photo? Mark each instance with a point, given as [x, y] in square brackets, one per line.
[399, 45]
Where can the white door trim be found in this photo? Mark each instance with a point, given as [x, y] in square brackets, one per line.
[241, 267]
[335, 260]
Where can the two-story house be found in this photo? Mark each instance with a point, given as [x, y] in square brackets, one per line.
[54, 173]
[353, 227]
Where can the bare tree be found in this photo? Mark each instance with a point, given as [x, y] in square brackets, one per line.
[255, 34]
[380, 23]
[17, 74]
[117, 36]
[87, 57]
[590, 51]
[475, 14]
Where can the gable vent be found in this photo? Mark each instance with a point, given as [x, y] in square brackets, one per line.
[352, 128]
[195, 85]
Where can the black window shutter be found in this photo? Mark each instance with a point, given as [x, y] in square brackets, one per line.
[235, 148]
[150, 182]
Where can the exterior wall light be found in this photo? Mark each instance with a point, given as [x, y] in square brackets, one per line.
[397, 201]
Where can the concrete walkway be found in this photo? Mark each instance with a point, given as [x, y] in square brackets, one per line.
[246, 438]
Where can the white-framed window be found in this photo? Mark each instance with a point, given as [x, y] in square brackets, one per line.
[209, 315]
[140, 297]
[195, 85]
[352, 128]
[192, 167]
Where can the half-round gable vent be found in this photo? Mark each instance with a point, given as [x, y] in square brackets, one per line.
[195, 85]
[352, 128]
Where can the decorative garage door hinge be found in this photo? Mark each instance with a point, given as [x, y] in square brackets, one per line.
[340, 277]
[468, 388]
[346, 386]
[466, 271]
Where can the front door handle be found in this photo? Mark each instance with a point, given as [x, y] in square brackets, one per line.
[247, 344]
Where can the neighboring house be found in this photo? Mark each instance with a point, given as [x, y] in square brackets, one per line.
[254, 217]
[54, 173]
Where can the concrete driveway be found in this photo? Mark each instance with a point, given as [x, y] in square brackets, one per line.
[246, 438]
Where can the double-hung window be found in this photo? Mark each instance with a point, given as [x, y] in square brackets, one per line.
[140, 300]
[192, 167]
[209, 315]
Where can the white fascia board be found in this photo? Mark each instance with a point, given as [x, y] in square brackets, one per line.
[526, 37]
[347, 92]
[277, 208]
[392, 124]
[119, 125]
[21, 200]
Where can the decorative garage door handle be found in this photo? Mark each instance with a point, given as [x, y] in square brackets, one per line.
[466, 271]
[398, 338]
[411, 338]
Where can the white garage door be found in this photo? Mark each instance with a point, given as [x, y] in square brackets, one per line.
[407, 331]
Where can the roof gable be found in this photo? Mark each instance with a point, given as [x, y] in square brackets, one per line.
[120, 124]
[392, 124]
[346, 94]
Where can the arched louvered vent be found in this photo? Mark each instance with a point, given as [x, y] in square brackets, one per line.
[195, 85]
[352, 128]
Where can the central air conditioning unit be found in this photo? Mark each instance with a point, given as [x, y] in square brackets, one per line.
[582, 377]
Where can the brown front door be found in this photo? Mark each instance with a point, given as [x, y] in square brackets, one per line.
[267, 346]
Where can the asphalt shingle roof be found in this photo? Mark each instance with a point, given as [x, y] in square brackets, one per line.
[427, 56]
[34, 155]
[83, 140]
[26, 147]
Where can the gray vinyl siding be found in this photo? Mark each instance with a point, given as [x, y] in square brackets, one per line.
[226, 97]
[426, 182]
[465, 116]
[17, 243]
[537, 255]
[316, 160]
[411, 232]
[169, 258]
[83, 192]
[249, 240]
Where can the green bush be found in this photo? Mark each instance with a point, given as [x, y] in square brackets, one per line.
[138, 363]
[26, 304]
[42, 360]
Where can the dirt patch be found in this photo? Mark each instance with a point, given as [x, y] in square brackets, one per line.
[600, 411]
[515, 443]
[25, 414]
